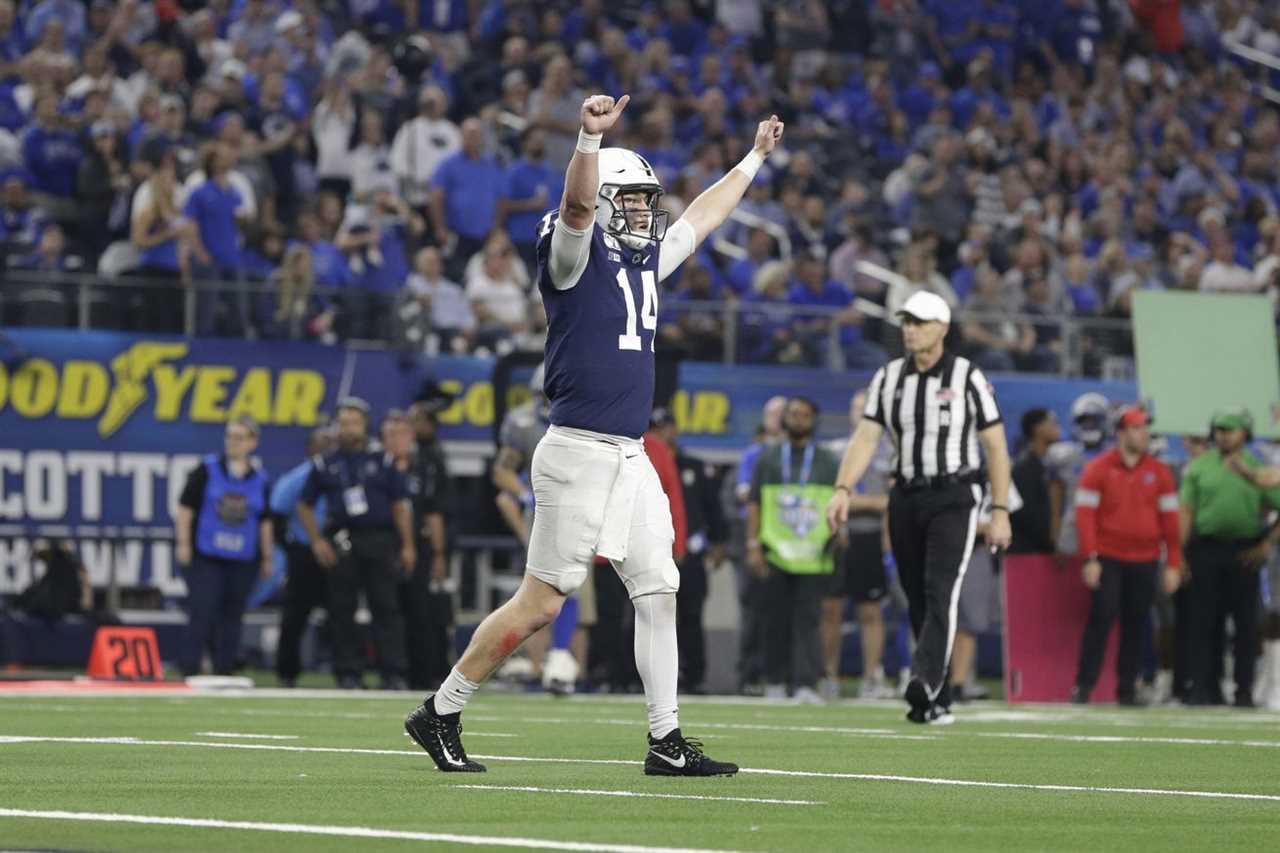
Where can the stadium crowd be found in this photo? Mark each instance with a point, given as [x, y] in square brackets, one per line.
[384, 165]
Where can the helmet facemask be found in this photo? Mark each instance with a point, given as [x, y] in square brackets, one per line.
[634, 226]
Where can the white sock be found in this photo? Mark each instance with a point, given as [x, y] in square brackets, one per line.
[452, 696]
[658, 660]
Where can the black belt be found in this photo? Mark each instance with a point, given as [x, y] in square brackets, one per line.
[940, 481]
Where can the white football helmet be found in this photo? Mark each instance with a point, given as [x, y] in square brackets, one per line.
[1089, 415]
[623, 171]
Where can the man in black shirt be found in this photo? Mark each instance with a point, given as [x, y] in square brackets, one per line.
[368, 506]
[426, 606]
[1036, 524]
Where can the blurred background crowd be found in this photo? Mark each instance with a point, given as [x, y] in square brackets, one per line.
[377, 169]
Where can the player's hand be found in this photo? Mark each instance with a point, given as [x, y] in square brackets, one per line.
[755, 560]
[324, 553]
[999, 534]
[1092, 573]
[767, 135]
[1172, 579]
[408, 558]
[838, 510]
[600, 112]
[1253, 558]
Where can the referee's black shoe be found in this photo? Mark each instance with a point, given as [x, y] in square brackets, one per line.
[676, 756]
[441, 736]
[924, 710]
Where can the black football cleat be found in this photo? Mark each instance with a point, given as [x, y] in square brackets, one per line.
[441, 736]
[676, 756]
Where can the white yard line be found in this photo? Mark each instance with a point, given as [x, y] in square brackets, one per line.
[888, 734]
[235, 735]
[588, 792]
[866, 777]
[1183, 741]
[343, 831]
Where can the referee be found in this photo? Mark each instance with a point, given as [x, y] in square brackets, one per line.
[937, 407]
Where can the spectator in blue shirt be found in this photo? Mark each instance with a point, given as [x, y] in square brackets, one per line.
[52, 154]
[21, 222]
[13, 44]
[70, 13]
[327, 261]
[464, 202]
[742, 272]
[532, 188]
[212, 210]
[212, 207]
[812, 288]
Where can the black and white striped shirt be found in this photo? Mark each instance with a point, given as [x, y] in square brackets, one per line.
[933, 417]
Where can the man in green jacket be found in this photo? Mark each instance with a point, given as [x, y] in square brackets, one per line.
[1226, 541]
[788, 546]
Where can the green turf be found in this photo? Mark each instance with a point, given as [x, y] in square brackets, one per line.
[404, 792]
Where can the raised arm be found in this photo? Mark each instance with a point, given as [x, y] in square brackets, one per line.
[582, 180]
[709, 210]
[571, 236]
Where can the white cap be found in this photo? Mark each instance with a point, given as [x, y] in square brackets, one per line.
[924, 305]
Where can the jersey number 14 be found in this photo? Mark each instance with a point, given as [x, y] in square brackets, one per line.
[648, 311]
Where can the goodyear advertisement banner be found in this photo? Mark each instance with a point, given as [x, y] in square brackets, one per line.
[99, 430]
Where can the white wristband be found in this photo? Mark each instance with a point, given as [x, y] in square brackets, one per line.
[589, 143]
[751, 164]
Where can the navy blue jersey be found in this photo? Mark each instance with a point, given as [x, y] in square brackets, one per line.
[600, 336]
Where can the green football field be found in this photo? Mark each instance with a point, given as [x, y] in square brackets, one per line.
[315, 770]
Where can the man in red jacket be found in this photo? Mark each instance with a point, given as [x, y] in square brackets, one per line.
[1126, 506]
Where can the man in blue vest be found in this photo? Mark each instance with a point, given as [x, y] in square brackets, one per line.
[305, 587]
[224, 540]
[368, 509]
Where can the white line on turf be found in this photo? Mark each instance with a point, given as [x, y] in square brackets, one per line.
[346, 831]
[815, 774]
[589, 792]
[234, 735]
[1182, 741]
[887, 734]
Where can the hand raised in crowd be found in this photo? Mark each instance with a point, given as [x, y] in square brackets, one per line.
[601, 112]
[324, 553]
[1092, 573]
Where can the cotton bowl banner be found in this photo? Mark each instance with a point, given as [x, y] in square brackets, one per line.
[99, 430]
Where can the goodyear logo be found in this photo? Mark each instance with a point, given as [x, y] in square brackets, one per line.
[147, 374]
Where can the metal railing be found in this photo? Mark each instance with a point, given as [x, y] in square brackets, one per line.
[85, 301]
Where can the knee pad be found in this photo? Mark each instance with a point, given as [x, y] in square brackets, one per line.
[663, 577]
[566, 581]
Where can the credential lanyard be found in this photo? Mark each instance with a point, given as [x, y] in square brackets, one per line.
[806, 465]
